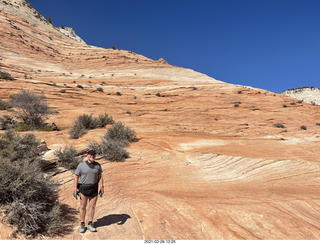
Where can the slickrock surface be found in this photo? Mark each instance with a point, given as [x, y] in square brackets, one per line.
[307, 94]
[209, 163]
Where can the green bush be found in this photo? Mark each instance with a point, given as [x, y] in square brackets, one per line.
[29, 199]
[68, 157]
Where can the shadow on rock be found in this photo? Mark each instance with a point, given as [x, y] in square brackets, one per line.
[69, 216]
[118, 219]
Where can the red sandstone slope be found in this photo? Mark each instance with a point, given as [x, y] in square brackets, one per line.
[204, 168]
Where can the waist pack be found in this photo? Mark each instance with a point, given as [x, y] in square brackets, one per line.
[89, 190]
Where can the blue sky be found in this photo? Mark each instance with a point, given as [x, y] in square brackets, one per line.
[268, 44]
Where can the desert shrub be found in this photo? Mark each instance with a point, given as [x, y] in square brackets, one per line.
[100, 89]
[303, 127]
[16, 147]
[87, 122]
[3, 105]
[77, 130]
[279, 126]
[103, 119]
[5, 76]
[68, 157]
[63, 91]
[32, 109]
[114, 142]
[20, 127]
[114, 150]
[119, 132]
[95, 146]
[7, 122]
[29, 199]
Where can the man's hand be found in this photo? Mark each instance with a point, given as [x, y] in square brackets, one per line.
[75, 194]
[101, 191]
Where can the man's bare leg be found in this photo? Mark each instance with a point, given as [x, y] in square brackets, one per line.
[83, 207]
[92, 207]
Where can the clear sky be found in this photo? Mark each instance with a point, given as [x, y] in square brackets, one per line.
[268, 44]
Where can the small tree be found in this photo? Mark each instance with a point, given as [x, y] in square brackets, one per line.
[31, 108]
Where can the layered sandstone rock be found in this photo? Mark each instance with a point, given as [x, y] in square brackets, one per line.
[307, 94]
[210, 162]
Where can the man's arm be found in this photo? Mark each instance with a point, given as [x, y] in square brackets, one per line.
[75, 183]
[101, 181]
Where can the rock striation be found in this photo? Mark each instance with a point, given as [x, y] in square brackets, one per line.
[211, 162]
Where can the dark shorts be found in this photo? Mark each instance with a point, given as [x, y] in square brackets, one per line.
[89, 190]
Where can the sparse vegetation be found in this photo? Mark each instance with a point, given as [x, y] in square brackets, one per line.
[3, 105]
[303, 127]
[120, 132]
[279, 126]
[7, 122]
[77, 130]
[31, 108]
[68, 157]
[100, 89]
[5, 76]
[87, 122]
[28, 198]
[114, 142]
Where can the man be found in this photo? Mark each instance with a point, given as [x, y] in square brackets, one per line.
[88, 174]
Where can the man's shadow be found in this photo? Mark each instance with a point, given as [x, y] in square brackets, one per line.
[118, 219]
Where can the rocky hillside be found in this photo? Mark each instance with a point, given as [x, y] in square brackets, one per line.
[307, 94]
[211, 162]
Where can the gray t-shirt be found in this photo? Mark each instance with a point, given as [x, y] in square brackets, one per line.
[88, 175]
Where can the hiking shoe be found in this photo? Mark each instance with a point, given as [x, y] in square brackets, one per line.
[91, 228]
[82, 228]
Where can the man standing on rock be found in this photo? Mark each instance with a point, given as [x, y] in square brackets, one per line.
[87, 177]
